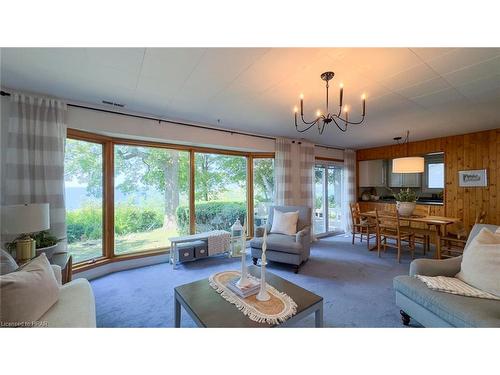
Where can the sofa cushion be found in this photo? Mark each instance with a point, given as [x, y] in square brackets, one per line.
[75, 307]
[7, 263]
[459, 311]
[278, 242]
[481, 262]
[26, 294]
[285, 222]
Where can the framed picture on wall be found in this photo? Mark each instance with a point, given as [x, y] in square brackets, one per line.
[473, 178]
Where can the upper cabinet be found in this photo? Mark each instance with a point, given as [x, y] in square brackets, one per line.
[372, 173]
[412, 180]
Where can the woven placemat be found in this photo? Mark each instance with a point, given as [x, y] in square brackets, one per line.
[278, 309]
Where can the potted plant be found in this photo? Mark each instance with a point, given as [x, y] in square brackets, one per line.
[44, 243]
[406, 200]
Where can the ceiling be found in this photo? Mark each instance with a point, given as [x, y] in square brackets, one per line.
[430, 91]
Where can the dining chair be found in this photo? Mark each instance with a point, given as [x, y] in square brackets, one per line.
[360, 226]
[422, 232]
[395, 233]
[453, 243]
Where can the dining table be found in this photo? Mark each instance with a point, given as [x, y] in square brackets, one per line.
[439, 222]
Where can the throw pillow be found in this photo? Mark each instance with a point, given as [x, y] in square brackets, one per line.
[7, 263]
[285, 222]
[27, 294]
[481, 262]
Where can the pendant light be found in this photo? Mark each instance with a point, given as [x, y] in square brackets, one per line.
[408, 164]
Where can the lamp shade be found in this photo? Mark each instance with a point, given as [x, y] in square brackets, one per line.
[412, 164]
[25, 218]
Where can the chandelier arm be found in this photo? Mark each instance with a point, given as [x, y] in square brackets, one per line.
[304, 130]
[350, 122]
[307, 122]
[338, 126]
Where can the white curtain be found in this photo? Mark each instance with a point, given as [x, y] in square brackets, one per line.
[307, 160]
[349, 188]
[283, 172]
[34, 162]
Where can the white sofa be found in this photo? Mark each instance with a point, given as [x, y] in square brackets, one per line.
[75, 307]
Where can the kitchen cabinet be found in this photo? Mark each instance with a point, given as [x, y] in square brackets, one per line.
[372, 173]
[412, 180]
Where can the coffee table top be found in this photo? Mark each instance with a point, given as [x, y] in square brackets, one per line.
[214, 311]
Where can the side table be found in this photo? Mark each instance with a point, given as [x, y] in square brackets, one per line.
[65, 261]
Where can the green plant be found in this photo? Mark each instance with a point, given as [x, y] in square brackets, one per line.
[211, 215]
[405, 195]
[43, 239]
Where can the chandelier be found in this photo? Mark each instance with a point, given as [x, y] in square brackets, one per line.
[321, 119]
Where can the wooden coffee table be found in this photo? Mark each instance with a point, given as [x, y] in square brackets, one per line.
[208, 309]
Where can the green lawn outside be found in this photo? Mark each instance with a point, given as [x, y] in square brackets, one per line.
[130, 243]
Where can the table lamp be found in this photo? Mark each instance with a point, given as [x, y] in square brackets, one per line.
[25, 219]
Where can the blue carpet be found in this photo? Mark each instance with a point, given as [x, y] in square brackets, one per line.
[356, 286]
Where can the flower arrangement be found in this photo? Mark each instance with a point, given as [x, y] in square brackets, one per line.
[405, 195]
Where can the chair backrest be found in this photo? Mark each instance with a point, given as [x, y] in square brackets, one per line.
[355, 213]
[481, 217]
[304, 215]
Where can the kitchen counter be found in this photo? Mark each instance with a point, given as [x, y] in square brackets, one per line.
[389, 201]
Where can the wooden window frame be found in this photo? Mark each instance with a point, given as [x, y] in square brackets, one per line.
[108, 144]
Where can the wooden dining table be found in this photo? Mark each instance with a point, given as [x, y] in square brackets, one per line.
[440, 222]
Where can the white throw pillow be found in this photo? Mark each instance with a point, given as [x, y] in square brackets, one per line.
[27, 294]
[481, 262]
[7, 263]
[285, 222]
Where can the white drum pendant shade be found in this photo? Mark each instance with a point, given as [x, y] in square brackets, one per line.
[412, 164]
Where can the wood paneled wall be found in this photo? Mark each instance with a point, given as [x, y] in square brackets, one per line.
[462, 152]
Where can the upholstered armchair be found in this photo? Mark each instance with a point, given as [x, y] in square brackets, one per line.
[289, 249]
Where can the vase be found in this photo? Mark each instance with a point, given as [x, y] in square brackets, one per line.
[405, 208]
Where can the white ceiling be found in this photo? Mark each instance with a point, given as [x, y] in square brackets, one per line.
[430, 91]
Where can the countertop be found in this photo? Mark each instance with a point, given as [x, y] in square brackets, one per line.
[422, 201]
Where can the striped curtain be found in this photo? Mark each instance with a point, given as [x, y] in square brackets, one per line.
[283, 172]
[306, 151]
[349, 188]
[34, 161]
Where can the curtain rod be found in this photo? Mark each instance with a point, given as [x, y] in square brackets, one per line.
[4, 93]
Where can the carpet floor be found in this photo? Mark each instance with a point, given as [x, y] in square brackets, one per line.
[355, 284]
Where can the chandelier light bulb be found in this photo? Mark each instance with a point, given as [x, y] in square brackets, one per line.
[301, 96]
[341, 85]
[363, 96]
[318, 113]
[295, 109]
[346, 109]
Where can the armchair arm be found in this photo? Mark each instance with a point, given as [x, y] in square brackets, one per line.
[433, 267]
[57, 273]
[302, 233]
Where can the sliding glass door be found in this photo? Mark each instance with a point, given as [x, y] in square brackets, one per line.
[327, 199]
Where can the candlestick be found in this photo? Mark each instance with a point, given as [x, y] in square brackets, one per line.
[243, 281]
[263, 294]
[364, 103]
[341, 93]
[302, 104]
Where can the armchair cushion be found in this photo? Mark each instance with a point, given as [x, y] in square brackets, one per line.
[279, 242]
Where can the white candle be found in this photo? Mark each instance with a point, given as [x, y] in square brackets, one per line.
[263, 294]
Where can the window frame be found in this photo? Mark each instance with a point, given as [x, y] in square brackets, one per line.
[108, 144]
[437, 158]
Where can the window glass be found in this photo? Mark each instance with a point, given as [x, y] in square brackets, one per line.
[151, 197]
[435, 175]
[220, 191]
[263, 189]
[83, 189]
